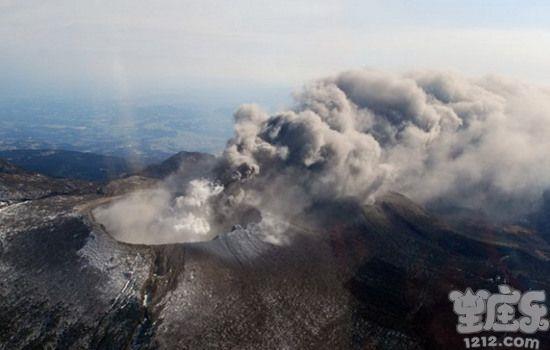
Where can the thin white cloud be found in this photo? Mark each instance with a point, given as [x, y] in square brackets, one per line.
[265, 42]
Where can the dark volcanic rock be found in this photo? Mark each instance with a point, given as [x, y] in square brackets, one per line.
[351, 277]
[62, 285]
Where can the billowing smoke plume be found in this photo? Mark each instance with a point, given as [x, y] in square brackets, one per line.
[438, 138]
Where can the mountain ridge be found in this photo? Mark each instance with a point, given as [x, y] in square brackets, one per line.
[352, 276]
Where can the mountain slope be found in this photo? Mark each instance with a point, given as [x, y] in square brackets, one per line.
[69, 164]
[374, 277]
[189, 164]
[17, 184]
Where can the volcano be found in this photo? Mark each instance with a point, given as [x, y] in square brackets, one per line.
[355, 276]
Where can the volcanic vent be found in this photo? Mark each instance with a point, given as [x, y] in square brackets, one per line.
[441, 139]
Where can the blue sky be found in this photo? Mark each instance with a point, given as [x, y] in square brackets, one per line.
[146, 47]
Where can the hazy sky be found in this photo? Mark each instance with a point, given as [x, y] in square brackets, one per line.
[149, 46]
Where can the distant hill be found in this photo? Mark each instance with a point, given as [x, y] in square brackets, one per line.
[17, 185]
[8, 168]
[186, 163]
[69, 164]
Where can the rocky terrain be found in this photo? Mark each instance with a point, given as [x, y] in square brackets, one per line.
[355, 276]
[18, 185]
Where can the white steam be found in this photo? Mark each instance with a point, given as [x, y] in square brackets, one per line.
[155, 217]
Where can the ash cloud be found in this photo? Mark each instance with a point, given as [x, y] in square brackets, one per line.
[436, 137]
